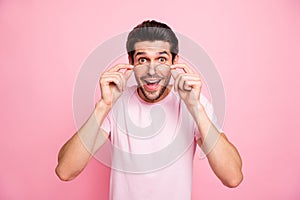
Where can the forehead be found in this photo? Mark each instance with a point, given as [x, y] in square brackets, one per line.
[152, 46]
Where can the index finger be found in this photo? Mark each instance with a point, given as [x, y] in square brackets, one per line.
[184, 67]
[127, 73]
[119, 67]
[174, 73]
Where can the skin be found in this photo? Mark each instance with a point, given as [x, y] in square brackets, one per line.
[152, 61]
[222, 156]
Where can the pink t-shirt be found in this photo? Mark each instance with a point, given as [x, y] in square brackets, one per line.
[152, 147]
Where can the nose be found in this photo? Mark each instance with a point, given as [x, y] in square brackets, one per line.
[151, 69]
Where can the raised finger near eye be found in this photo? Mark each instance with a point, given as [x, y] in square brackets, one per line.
[188, 77]
[181, 82]
[176, 83]
[128, 73]
[190, 84]
[174, 73]
[122, 79]
[192, 76]
[115, 80]
[117, 76]
[119, 67]
[184, 67]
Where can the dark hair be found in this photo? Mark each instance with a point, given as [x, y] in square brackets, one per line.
[152, 31]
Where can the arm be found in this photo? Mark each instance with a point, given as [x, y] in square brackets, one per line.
[77, 151]
[222, 156]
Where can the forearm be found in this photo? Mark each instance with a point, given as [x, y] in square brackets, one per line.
[75, 154]
[223, 157]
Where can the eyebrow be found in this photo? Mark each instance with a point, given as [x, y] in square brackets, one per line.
[143, 53]
[163, 52]
[139, 53]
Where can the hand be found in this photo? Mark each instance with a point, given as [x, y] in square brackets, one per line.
[187, 84]
[113, 83]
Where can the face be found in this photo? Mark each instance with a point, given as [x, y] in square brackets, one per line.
[152, 61]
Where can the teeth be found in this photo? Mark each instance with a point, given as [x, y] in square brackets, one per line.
[152, 81]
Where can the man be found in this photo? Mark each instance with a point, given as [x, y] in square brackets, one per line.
[151, 154]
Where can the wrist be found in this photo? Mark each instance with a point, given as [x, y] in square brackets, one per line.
[196, 109]
[102, 107]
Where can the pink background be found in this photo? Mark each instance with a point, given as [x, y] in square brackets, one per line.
[254, 44]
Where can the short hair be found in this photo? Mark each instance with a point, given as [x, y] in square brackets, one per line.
[151, 31]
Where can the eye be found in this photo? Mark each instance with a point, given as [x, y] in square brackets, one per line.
[162, 59]
[142, 60]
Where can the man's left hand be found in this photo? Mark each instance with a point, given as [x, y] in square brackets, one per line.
[187, 84]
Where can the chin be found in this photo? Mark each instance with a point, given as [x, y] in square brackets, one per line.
[152, 95]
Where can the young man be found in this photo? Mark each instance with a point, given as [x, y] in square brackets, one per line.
[152, 153]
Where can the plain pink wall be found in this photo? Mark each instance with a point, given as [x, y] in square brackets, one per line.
[254, 44]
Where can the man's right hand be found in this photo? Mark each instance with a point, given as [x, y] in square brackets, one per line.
[113, 83]
[77, 151]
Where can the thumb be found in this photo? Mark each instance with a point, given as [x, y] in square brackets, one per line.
[128, 73]
[174, 73]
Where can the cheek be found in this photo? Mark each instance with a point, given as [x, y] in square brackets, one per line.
[165, 72]
[138, 74]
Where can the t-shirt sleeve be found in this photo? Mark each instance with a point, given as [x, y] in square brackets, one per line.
[211, 115]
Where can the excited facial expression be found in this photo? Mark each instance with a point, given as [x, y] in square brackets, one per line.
[152, 61]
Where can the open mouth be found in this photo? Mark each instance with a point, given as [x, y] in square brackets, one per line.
[152, 84]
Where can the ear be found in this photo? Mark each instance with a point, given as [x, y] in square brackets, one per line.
[130, 60]
[175, 61]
